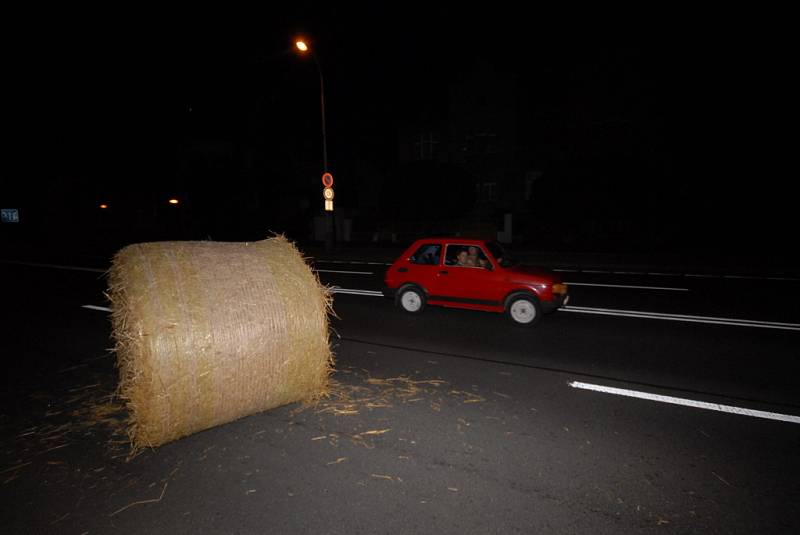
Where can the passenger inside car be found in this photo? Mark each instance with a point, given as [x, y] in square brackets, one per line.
[463, 259]
[466, 256]
[472, 254]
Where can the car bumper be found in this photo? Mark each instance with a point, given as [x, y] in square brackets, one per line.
[557, 302]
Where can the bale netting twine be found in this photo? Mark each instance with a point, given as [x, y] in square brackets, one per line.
[208, 332]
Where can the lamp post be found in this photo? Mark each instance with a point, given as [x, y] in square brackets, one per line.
[304, 48]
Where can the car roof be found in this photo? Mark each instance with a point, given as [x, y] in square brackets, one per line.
[454, 239]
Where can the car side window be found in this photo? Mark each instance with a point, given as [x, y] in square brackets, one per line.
[466, 256]
[481, 260]
[451, 254]
[427, 254]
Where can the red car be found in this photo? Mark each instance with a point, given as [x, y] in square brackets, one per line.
[473, 274]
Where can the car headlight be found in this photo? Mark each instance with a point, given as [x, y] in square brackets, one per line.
[559, 288]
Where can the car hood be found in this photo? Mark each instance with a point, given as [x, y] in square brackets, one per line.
[533, 271]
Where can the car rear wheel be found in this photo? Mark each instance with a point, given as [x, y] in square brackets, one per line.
[523, 309]
[411, 299]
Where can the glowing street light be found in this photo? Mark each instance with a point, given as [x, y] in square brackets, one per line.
[103, 206]
[173, 201]
[303, 47]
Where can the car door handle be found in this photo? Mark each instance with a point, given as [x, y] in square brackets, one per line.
[402, 270]
[443, 273]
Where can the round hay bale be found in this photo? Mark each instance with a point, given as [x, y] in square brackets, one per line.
[208, 332]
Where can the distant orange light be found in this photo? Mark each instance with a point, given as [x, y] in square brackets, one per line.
[103, 206]
[301, 46]
[173, 201]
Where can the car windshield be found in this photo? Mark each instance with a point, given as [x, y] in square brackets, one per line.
[503, 257]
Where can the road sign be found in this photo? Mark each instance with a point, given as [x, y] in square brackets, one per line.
[327, 194]
[327, 180]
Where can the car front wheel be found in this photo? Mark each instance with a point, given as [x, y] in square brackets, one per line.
[524, 309]
[412, 300]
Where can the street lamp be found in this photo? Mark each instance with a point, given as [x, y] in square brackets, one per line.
[304, 48]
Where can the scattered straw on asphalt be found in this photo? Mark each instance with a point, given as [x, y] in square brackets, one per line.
[141, 502]
[371, 393]
[94, 412]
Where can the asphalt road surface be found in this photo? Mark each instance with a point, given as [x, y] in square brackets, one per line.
[653, 403]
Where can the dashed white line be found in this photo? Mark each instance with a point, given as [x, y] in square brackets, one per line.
[676, 315]
[628, 286]
[54, 266]
[603, 312]
[94, 307]
[353, 291]
[687, 402]
[352, 262]
[633, 314]
[561, 270]
[684, 318]
[345, 272]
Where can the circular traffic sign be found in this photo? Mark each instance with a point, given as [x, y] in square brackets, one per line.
[327, 180]
[327, 194]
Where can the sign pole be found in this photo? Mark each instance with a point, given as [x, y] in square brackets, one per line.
[327, 195]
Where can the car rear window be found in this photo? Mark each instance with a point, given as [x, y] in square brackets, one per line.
[428, 254]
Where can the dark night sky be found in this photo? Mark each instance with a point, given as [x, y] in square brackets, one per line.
[704, 99]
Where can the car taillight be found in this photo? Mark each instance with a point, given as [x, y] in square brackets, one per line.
[559, 288]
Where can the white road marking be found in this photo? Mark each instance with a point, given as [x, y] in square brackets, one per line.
[54, 266]
[601, 311]
[94, 307]
[687, 402]
[352, 262]
[632, 314]
[347, 272]
[564, 270]
[352, 291]
[627, 286]
[679, 315]
[685, 318]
